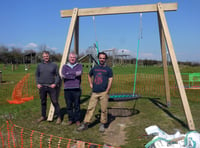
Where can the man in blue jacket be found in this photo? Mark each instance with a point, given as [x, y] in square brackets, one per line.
[71, 73]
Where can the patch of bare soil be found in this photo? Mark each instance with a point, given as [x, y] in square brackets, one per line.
[115, 134]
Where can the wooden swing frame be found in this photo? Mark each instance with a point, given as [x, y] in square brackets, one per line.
[165, 40]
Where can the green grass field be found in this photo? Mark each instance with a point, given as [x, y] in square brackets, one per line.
[149, 110]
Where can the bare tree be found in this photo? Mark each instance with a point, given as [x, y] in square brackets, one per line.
[16, 55]
[4, 54]
[42, 47]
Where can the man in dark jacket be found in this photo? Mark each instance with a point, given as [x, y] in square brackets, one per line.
[71, 73]
[47, 79]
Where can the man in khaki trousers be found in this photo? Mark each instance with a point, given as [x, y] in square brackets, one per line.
[100, 79]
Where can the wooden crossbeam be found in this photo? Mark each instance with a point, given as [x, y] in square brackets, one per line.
[120, 10]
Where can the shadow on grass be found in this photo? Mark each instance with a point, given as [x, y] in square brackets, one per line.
[83, 112]
[84, 98]
[114, 112]
[163, 107]
[97, 120]
[63, 112]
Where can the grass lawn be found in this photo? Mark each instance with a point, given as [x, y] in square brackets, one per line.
[148, 110]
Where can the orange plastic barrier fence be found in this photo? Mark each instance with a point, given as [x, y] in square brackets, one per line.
[17, 97]
[12, 135]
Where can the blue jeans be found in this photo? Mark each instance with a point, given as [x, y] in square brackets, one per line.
[72, 99]
[44, 90]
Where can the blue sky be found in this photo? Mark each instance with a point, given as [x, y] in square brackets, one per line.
[30, 23]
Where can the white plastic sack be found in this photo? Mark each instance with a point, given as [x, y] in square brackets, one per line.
[192, 139]
[163, 140]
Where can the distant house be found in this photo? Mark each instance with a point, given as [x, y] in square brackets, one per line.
[29, 58]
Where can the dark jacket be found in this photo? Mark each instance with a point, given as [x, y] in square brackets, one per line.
[47, 74]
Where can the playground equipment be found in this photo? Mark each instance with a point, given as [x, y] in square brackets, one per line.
[96, 44]
[193, 78]
[125, 97]
[165, 40]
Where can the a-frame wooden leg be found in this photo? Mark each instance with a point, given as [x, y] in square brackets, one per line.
[164, 59]
[76, 37]
[65, 54]
[176, 68]
[69, 38]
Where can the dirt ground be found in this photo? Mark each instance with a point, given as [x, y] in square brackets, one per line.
[115, 133]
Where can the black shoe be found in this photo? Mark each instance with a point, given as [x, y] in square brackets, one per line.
[83, 127]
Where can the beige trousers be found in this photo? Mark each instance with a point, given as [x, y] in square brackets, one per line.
[95, 97]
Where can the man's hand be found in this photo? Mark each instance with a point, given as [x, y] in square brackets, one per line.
[53, 85]
[91, 85]
[78, 73]
[90, 81]
[39, 86]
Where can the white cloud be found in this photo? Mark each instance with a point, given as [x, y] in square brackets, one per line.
[146, 55]
[150, 56]
[31, 46]
[123, 52]
[53, 48]
[15, 45]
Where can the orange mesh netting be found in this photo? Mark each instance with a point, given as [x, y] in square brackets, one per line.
[12, 135]
[17, 95]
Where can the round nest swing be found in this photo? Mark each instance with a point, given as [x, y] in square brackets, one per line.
[123, 97]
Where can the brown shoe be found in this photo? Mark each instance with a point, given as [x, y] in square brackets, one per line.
[78, 123]
[41, 119]
[58, 120]
[69, 123]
